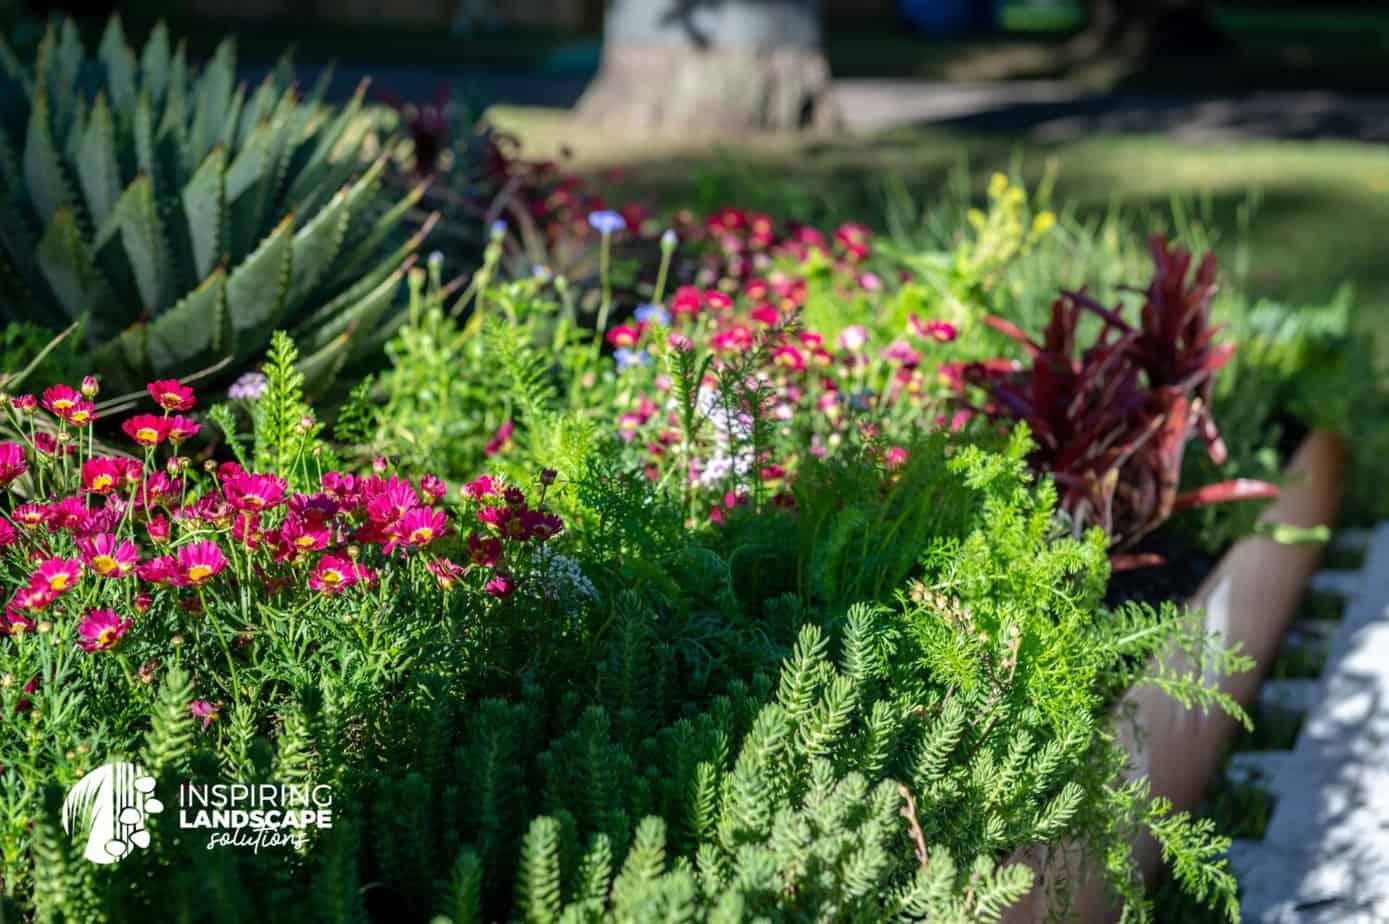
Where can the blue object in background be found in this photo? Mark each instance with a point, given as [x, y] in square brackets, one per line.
[946, 18]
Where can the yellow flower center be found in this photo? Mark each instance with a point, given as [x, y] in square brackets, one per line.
[59, 581]
[62, 404]
[147, 434]
[331, 577]
[253, 500]
[104, 564]
[199, 572]
[106, 638]
[102, 482]
[304, 542]
[421, 535]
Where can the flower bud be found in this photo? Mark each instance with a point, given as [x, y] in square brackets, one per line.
[668, 240]
[90, 386]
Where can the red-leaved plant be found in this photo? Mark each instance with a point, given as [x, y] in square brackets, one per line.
[1112, 423]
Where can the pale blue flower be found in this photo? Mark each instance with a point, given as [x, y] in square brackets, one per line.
[607, 222]
[652, 314]
[626, 358]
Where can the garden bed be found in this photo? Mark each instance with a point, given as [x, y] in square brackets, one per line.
[1249, 599]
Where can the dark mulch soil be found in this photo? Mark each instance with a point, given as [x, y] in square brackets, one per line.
[1177, 579]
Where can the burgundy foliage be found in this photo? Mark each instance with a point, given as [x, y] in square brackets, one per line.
[1112, 417]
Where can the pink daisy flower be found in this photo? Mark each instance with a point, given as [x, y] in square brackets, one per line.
[146, 429]
[172, 396]
[421, 526]
[789, 357]
[107, 556]
[500, 585]
[333, 574]
[501, 440]
[12, 462]
[484, 551]
[103, 475]
[157, 527]
[200, 562]
[181, 428]
[14, 620]
[82, 414]
[161, 570]
[433, 488]
[395, 499]
[482, 486]
[32, 597]
[249, 492]
[445, 572]
[101, 630]
[30, 515]
[69, 513]
[57, 575]
[61, 399]
[206, 711]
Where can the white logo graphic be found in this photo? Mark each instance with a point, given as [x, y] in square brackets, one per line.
[110, 804]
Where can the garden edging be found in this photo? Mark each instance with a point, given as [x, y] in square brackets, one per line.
[1249, 600]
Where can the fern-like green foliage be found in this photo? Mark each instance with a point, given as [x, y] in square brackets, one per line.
[182, 218]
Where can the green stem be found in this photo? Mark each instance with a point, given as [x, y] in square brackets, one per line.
[605, 306]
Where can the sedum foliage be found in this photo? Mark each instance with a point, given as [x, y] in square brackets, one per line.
[182, 217]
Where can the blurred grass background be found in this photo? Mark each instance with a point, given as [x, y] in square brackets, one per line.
[1296, 220]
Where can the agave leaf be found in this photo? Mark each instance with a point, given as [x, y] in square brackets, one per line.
[360, 318]
[203, 205]
[18, 247]
[67, 264]
[364, 285]
[316, 246]
[257, 288]
[371, 242]
[156, 60]
[228, 131]
[320, 367]
[214, 95]
[320, 86]
[194, 331]
[62, 77]
[142, 236]
[43, 170]
[143, 131]
[328, 139]
[258, 109]
[14, 70]
[175, 113]
[120, 64]
[72, 141]
[97, 170]
[10, 177]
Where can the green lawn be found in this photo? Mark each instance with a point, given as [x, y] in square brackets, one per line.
[1302, 218]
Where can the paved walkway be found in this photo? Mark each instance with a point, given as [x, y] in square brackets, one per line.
[1324, 858]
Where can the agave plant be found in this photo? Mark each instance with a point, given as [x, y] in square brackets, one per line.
[181, 219]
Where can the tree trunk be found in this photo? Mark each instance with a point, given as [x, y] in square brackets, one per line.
[711, 67]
